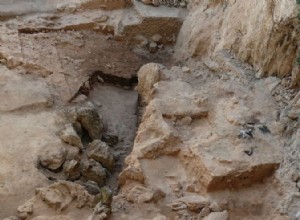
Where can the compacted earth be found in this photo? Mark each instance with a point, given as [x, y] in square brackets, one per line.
[149, 110]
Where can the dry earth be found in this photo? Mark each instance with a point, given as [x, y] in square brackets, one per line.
[114, 109]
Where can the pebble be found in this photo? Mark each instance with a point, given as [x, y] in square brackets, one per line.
[153, 47]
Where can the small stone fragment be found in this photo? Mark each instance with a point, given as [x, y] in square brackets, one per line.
[157, 38]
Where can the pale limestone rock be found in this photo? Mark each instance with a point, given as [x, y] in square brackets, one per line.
[160, 217]
[217, 216]
[24, 211]
[52, 156]
[70, 136]
[140, 194]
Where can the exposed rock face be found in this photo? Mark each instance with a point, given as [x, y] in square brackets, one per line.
[99, 151]
[233, 25]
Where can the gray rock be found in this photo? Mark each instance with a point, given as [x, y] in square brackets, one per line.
[99, 151]
[52, 157]
[92, 170]
[204, 212]
[110, 139]
[90, 121]
[72, 169]
[70, 136]
[90, 186]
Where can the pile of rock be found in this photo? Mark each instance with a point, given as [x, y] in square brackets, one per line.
[87, 164]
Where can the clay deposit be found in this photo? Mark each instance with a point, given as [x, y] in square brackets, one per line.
[149, 110]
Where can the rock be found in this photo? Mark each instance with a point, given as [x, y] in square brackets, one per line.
[12, 218]
[105, 196]
[73, 153]
[293, 115]
[185, 69]
[160, 217]
[217, 216]
[152, 47]
[72, 169]
[131, 173]
[156, 38]
[56, 217]
[24, 211]
[141, 40]
[214, 207]
[52, 157]
[92, 170]
[80, 98]
[194, 203]
[110, 139]
[101, 212]
[140, 194]
[176, 206]
[204, 212]
[61, 195]
[90, 121]
[99, 151]
[70, 136]
[148, 75]
[90, 186]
